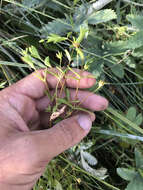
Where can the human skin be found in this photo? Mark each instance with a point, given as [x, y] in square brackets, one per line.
[24, 152]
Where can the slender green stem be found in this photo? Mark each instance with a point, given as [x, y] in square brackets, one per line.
[124, 119]
[87, 173]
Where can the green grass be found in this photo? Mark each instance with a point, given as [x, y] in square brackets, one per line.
[109, 55]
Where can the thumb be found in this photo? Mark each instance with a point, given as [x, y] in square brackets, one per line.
[51, 142]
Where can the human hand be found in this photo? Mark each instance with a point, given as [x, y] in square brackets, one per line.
[24, 153]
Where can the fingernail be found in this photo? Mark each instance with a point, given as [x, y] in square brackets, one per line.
[84, 121]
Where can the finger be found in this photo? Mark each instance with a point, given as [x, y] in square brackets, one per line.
[87, 100]
[51, 142]
[33, 87]
[24, 106]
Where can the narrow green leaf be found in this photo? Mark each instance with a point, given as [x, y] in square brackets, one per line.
[28, 59]
[47, 62]
[55, 38]
[2, 84]
[62, 100]
[76, 74]
[82, 109]
[80, 53]
[68, 55]
[14, 64]
[67, 94]
[82, 34]
[122, 135]
[34, 52]
[124, 119]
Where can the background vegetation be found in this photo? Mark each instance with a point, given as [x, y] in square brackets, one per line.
[111, 47]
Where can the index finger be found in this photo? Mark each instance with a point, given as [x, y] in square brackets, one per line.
[35, 88]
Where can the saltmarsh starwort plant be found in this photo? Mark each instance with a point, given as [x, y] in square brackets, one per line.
[62, 106]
